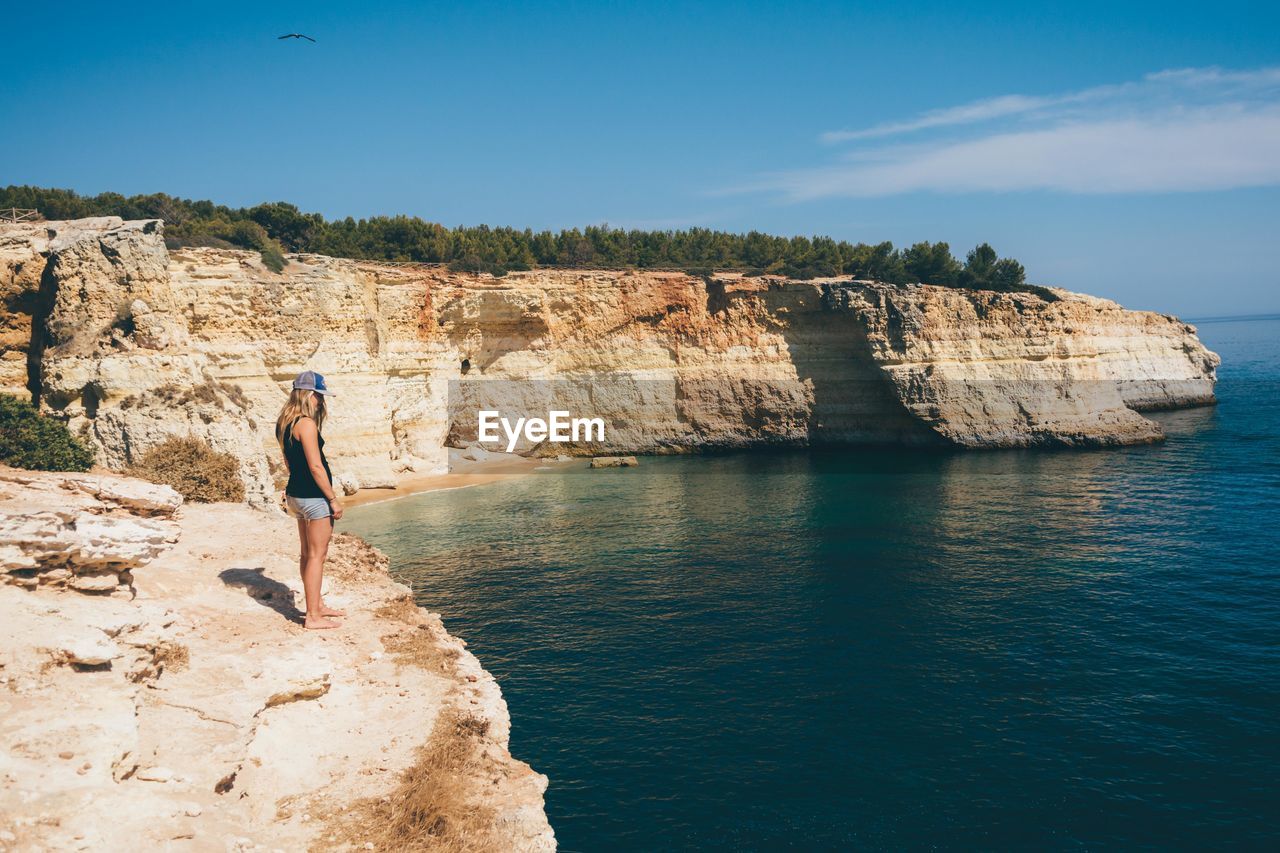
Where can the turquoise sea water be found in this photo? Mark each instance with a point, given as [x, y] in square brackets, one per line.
[1043, 649]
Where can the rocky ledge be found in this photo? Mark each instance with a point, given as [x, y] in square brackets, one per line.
[157, 690]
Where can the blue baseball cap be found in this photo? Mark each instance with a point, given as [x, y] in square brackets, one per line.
[309, 380]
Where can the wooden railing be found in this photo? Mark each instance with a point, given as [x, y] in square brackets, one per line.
[18, 214]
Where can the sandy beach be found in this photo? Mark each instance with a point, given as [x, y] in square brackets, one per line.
[462, 473]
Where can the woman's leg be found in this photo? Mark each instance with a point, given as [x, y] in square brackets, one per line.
[318, 532]
[326, 610]
[303, 548]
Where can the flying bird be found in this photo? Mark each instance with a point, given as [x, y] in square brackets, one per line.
[294, 36]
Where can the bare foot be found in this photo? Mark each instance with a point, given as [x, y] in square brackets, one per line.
[317, 622]
[326, 610]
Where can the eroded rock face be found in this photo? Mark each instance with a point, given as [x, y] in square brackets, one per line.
[135, 344]
[114, 280]
[1012, 370]
[87, 532]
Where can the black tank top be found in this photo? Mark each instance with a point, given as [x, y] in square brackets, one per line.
[301, 483]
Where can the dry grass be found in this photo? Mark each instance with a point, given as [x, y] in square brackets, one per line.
[236, 394]
[437, 803]
[402, 609]
[195, 470]
[178, 396]
[210, 392]
[172, 656]
[421, 647]
[353, 559]
[173, 394]
[168, 656]
[435, 806]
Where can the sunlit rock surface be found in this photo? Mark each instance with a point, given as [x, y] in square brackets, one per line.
[133, 343]
[183, 705]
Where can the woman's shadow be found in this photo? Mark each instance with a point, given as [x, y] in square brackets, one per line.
[266, 591]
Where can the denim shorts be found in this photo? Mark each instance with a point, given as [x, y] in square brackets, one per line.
[308, 508]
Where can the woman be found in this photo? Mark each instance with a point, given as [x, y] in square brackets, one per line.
[309, 495]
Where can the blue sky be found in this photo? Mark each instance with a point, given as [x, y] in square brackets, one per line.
[1130, 150]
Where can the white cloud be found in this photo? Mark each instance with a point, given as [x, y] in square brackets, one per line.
[976, 111]
[1179, 130]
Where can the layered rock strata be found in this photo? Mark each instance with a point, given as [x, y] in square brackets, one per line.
[84, 531]
[131, 343]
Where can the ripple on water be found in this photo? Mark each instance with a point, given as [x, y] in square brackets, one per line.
[890, 649]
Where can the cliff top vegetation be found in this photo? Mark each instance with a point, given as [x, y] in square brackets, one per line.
[277, 227]
[31, 440]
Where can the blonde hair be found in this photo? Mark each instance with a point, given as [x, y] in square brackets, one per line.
[302, 403]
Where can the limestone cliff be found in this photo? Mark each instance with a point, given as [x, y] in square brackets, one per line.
[157, 691]
[131, 343]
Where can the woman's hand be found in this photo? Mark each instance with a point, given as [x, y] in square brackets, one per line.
[336, 506]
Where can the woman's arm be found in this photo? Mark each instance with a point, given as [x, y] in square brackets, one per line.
[309, 437]
[288, 473]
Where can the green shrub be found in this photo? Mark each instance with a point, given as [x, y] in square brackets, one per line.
[272, 258]
[28, 439]
[250, 235]
[194, 469]
[984, 270]
[198, 241]
[475, 264]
